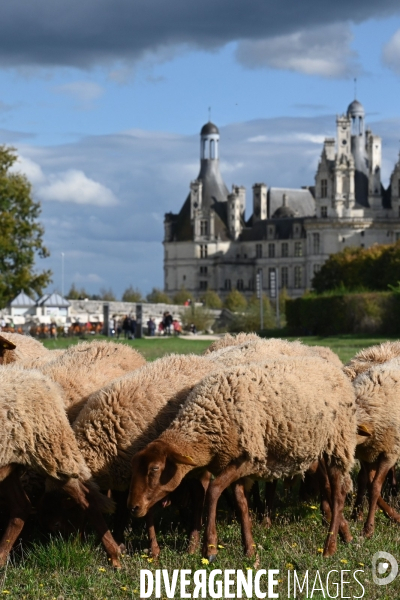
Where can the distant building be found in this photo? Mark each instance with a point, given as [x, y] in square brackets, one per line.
[209, 245]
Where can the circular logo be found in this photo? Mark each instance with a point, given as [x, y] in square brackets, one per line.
[384, 564]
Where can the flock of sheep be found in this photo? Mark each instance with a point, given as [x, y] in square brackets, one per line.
[95, 423]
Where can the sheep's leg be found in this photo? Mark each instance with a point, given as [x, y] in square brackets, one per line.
[151, 532]
[325, 491]
[245, 521]
[20, 508]
[388, 510]
[230, 474]
[338, 496]
[198, 497]
[270, 491]
[121, 517]
[384, 464]
[362, 483]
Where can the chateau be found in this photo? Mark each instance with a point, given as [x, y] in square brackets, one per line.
[210, 245]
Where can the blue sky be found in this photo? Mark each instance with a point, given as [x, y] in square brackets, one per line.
[105, 105]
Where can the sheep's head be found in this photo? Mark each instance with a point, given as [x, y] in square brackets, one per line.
[5, 347]
[156, 471]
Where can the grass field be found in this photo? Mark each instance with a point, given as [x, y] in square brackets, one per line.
[78, 568]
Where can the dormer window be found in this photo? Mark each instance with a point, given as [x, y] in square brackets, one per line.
[324, 212]
[324, 188]
[203, 228]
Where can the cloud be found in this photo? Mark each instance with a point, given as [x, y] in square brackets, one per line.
[88, 278]
[323, 51]
[73, 186]
[391, 53]
[87, 33]
[84, 92]
[29, 168]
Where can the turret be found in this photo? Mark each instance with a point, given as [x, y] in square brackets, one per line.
[259, 202]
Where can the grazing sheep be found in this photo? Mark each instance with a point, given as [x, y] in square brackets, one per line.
[267, 420]
[374, 355]
[15, 347]
[36, 435]
[85, 368]
[378, 407]
[231, 340]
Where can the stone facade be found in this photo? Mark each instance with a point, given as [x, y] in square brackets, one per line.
[210, 245]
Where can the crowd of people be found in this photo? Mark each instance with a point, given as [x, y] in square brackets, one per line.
[127, 326]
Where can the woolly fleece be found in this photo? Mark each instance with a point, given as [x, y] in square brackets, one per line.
[281, 415]
[35, 429]
[368, 357]
[377, 398]
[231, 340]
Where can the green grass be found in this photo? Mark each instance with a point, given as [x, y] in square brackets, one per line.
[78, 568]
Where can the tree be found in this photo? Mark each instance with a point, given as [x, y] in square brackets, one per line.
[157, 296]
[182, 296]
[75, 294]
[355, 269]
[235, 301]
[211, 299]
[21, 236]
[131, 295]
[107, 295]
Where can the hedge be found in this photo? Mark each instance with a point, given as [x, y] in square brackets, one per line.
[369, 312]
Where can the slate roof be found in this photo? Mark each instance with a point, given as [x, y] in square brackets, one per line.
[22, 300]
[52, 300]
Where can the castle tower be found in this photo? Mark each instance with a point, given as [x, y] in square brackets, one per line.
[356, 115]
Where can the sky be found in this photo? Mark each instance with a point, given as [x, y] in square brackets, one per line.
[104, 101]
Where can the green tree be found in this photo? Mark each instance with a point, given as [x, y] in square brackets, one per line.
[181, 296]
[75, 294]
[21, 236]
[157, 296]
[235, 301]
[107, 295]
[198, 316]
[131, 295]
[211, 299]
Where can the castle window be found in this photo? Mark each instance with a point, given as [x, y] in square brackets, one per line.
[239, 284]
[298, 276]
[203, 285]
[324, 188]
[203, 270]
[203, 228]
[271, 250]
[258, 250]
[251, 284]
[298, 249]
[316, 268]
[227, 284]
[284, 277]
[316, 243]
[324, 212]
[203, 251]
[285, 249]
[212, 149]
[184, 278]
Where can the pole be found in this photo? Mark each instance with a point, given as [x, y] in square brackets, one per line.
[278, 318]
[261, 300]
[62, 274]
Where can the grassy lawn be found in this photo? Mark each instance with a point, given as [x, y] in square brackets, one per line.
[77, 568]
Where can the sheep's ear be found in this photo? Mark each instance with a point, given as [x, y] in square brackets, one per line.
[363, 430]
[180, 459]
[6, 344]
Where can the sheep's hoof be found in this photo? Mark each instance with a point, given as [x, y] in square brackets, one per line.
[368, 533]
[211, 558]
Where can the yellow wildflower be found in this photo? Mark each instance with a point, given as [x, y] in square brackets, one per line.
[102, 569]
[205, 561]
[320, 550]
[221, 546]
[343, 560]
[289, 566]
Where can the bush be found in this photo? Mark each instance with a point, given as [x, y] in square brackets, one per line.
[198, 316]
[157, 296]
[211, 299]
[249, 320]
[333, 314]
[235, 301]
[182, 296]
[131, 295]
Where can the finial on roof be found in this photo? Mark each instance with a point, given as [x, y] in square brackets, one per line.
[355, 88]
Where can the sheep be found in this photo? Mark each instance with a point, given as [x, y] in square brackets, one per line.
[86, 367]
[377, 399]
[15, 347]
[255, 349]
[374, 355]
[267, 420]
[231, 340]
[36, 435]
